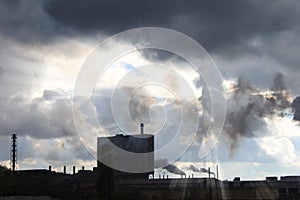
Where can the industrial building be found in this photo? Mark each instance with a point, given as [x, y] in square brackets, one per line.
[105, 182]
[125, 185]
[85, 185]
[111, 149]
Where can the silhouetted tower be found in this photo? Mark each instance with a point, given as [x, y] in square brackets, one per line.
[142, 128]
[13, 155]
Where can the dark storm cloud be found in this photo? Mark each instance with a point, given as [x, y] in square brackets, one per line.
[230, 28]
[26, 21]
[214, 23]
[233, 32]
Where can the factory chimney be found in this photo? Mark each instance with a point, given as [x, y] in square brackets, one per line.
[217, 172]
[65, 169]
[73, 170]
[13, 154]
[142, 128]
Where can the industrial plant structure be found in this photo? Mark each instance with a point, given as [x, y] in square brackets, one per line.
[111, 149]
[105, 182]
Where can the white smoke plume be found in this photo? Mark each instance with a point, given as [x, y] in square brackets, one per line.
[164, 164]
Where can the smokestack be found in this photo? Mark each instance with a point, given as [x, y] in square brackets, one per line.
[65, 169]
[142, 128]
[50, 168]
[73, 170]
[217, 172]
[82, 168]
[209, 172]
[14, 151]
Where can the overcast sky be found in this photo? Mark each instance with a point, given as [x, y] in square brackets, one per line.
[44, 44]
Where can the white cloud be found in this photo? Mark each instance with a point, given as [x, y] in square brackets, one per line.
[281, 148]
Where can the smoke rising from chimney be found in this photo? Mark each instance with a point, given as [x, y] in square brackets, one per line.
[278, 83]
[163, 163]
[247, 109]
[203, 170]
[173, 169]
[247, 106]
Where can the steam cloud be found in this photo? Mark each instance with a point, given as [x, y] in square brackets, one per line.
[163, 163]
[247, 108]
[248, 105]
[173, 169]
[203, 170]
